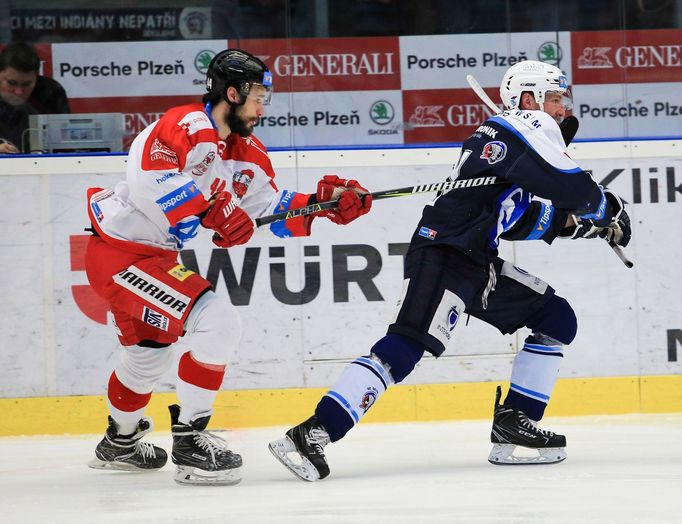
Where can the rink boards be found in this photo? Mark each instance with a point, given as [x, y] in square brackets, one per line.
[309, 306]
[402, 403]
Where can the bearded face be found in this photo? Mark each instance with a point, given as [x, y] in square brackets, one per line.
[237, 123]
[242, 118]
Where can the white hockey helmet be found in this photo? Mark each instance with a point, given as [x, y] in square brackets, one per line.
[531, 75]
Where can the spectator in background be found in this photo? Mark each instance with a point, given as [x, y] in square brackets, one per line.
[24, 91]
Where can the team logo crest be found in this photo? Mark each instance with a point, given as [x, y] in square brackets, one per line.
[494, 152]
[195, 24]
[368, 399]
[241, 181]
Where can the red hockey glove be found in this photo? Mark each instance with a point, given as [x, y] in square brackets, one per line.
[353, 199]
[231, 224]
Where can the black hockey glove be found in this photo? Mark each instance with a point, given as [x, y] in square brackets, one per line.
[583, 228]
[615, 229]
[569, 127]
[618, 232]
[616, 202]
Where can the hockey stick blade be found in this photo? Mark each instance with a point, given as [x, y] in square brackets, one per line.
[445, 186]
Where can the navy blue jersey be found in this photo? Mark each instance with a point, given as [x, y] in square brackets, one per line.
[545, 186]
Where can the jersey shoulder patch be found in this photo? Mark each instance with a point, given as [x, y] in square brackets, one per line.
[194, 122]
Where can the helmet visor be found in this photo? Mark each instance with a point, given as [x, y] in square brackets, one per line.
[260, 91]
[568, 99]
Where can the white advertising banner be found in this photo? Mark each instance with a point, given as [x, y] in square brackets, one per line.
[443, 61]
[338, 118]
[310, 305]
[635, 110]
[133, 68]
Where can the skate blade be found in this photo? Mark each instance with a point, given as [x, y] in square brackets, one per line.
[96, 463]
[199, 477]
[304, 471]
[503, 455]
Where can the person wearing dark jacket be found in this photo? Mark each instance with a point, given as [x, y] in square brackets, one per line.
[24, 91]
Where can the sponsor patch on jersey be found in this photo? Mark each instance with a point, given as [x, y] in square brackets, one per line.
[194, 122]
[202, 167]
[97, 211]
[164, 177]
[445, 318]
[180, 272]
[158, 151]
[285, 201]
[427, 233]
[97, 197]
[153, 291]
[178, 197]
[155, 319]
[241, 180]
[494, 151]
[369, 398]
[453, 315]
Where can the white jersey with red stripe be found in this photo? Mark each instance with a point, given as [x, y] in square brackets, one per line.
[174, 166]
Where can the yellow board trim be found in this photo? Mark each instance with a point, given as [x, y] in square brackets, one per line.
[282, 407]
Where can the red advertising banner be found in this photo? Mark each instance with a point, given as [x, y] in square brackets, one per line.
[329, 64]
[443, 115]
[613, 57]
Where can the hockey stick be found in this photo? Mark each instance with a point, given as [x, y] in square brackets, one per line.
[447, 185]
[621, 254]
[473, 83]
[573, 127]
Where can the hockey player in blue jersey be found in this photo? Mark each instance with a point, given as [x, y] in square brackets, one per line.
[452, 268]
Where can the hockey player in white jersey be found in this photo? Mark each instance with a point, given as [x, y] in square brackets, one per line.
[199, 166]
[452, 269]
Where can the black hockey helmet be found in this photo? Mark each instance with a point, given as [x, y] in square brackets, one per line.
[237, 68]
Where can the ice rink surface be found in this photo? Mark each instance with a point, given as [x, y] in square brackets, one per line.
[620, 469]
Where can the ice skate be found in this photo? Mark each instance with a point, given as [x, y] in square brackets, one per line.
[127, 452]
[200, 456]
[308, 440]
[512, 428]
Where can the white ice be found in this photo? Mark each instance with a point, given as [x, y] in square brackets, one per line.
[620, 469]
